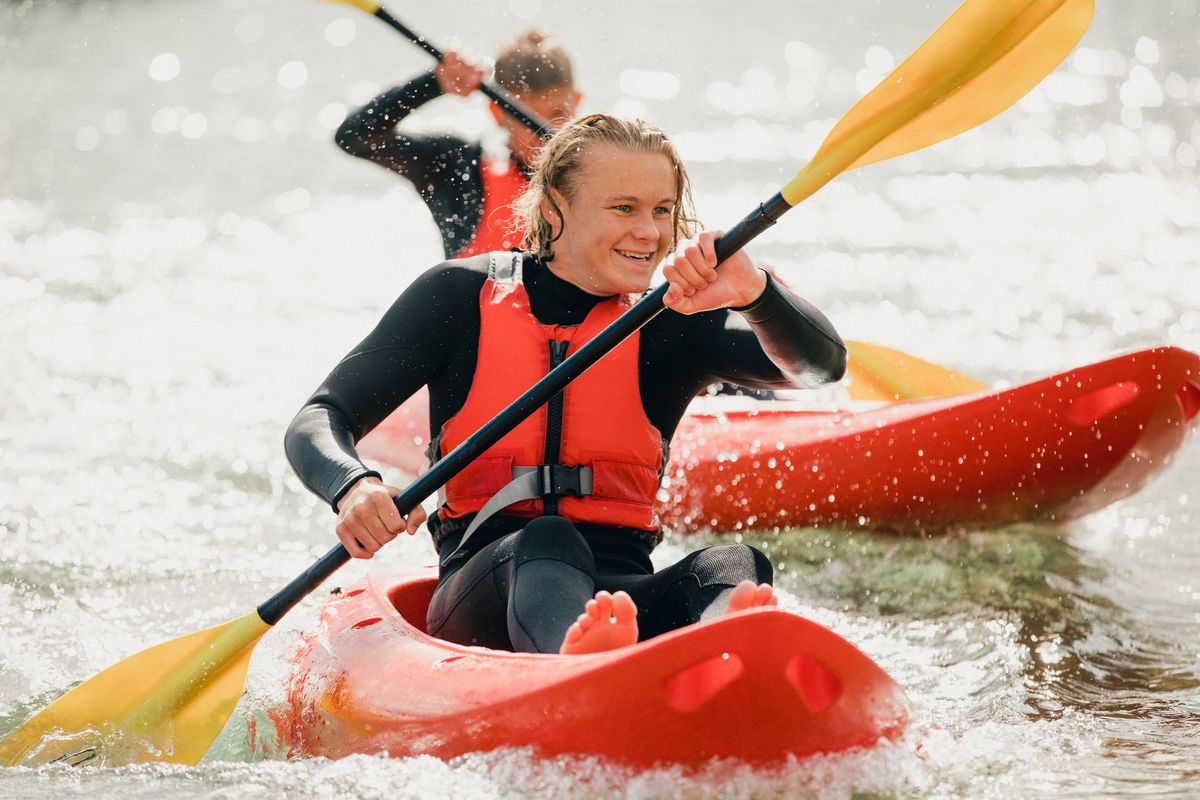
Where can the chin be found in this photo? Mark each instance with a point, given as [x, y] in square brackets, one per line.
[635, 285]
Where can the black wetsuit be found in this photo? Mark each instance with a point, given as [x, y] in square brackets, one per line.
[430, 337]
[446, 170]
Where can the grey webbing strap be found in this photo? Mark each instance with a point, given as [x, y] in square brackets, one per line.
[505, 270]
[527, 484]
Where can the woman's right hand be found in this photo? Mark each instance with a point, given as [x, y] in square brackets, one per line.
[368, 518]
[457, 75]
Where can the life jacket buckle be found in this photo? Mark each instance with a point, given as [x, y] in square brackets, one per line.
[557, 480]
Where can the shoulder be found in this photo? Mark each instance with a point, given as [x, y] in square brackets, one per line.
[455, 275]
[454, 283]
[441, 301]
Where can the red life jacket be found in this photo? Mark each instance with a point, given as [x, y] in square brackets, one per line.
[600, 426]
[496, 228]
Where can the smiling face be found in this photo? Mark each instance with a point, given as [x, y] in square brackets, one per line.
[616, 220]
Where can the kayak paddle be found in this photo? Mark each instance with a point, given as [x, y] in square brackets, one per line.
[876, 372]
[502, 98]
[884, 373]
[169, 702]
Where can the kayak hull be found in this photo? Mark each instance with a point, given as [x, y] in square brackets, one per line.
[1052, 449]
[760, 685]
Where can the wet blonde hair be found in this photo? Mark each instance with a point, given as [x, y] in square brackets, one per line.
[561, 159]
[533, 62]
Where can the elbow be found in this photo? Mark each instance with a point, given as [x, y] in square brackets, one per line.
[295, 441]
[836, 363]
[348, 139]
[821, 368]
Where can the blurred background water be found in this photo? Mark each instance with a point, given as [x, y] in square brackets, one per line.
[184, 253]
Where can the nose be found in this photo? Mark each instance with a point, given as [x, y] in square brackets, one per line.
[645, 227]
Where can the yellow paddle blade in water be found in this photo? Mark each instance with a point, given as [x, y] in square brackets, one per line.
[882, 373]
[166, 703]
[982, 59]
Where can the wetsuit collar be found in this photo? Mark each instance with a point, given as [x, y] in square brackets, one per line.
[553, 300]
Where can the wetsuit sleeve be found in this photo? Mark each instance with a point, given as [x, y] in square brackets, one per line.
[777, 342]
[799, 340]
[406, 350]
[445, 170]
[371, 133]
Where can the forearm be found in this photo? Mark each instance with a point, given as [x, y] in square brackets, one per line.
[797, 338]
[319, 444]
[410, 345]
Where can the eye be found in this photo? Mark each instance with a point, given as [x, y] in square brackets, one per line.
[662, 211]
[624, 208]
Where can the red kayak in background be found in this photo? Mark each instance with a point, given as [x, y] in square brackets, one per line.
[758, 685]
[1051, 449]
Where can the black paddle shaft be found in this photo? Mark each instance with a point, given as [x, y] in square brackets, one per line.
[502, 98]
[536, 396]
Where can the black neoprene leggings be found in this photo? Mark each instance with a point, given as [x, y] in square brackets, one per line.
[523, 591]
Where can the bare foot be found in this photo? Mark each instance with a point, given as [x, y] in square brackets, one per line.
[608, 621]
[746, 595]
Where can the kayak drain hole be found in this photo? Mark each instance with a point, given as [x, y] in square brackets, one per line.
[691, 688]
[366, 623]
[816, 685]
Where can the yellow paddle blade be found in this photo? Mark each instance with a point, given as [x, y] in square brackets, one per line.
[166, 703]
[363, 5]
[882, 373]
[982, 59]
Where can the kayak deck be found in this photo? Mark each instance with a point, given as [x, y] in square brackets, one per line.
[758, 685]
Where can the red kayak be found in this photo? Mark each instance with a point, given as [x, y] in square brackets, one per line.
[1051, 449]
[758, 685]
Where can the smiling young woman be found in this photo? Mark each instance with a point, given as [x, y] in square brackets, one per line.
[545, 539]
[609, 199]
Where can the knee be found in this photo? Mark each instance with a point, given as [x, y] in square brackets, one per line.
[554, 538]
[730, 564]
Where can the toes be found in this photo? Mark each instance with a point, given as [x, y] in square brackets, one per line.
[764, 595]
[747, 594]
[624, 609]
[603, 603]
[742, 595]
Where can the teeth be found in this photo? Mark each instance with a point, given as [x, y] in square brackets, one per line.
[638, 256]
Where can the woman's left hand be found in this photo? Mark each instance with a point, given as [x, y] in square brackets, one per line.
[697, 285]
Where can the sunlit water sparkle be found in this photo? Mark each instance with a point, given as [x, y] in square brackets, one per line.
[184, 253]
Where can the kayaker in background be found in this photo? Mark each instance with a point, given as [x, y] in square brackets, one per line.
[469, 195]
[545, 540]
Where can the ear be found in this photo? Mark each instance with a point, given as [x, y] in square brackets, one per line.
[552, 216]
